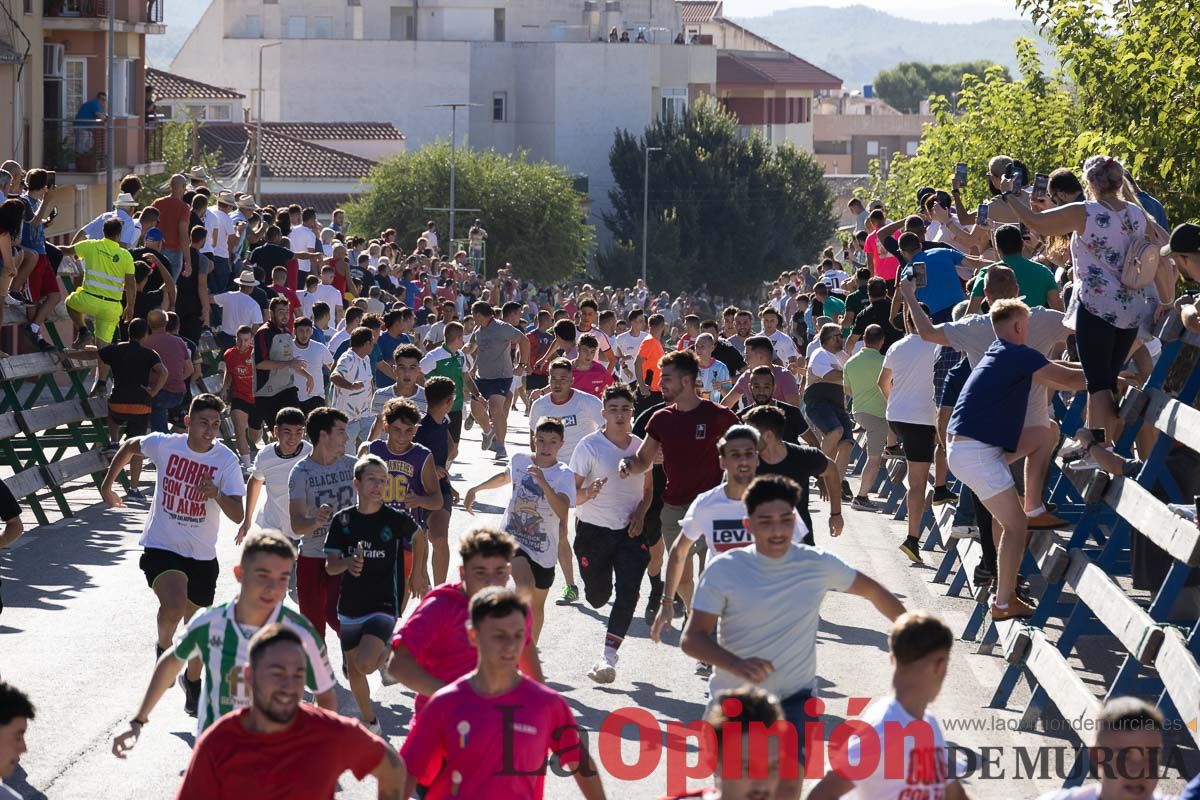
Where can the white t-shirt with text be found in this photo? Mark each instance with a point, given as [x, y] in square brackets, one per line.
[529, 518]
[582, 414]
[720, 520]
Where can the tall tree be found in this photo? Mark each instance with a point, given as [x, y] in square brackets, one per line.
[906, 85]
[725, 210]
[530, 209]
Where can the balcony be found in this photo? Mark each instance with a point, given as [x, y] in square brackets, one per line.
[133, 16]
[80, 149]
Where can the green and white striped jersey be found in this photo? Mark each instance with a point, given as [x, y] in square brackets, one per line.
[223, 646]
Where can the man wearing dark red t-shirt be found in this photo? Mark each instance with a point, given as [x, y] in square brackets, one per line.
[686, 432]
[303, 749]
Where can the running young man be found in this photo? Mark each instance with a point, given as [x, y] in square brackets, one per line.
[406, 366]
[272, 470]
[237, 387]
[305, 750]
[588, 374]
[494, 370]
[367, 541]
[920, 644]
[413, 487]
[199, 479]
[757, 608]
[461, 746]
[319, 484]
[608, 522]
[432, 648]
[543, 493]
[220, 637]
[435, 435]
[449, 361]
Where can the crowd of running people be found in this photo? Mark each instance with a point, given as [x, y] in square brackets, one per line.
[682, 436]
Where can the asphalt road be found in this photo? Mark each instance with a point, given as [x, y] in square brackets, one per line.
[77, 635]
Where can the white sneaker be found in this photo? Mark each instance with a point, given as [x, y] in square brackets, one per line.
[12, 301]
[1072, 448]
[384, 676]
[604, 671]
[375, 727]
[1083, 464]
[964, 532]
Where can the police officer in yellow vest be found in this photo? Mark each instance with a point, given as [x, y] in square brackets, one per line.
[108, 272]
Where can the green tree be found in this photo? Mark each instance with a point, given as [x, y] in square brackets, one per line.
[1034, 119]
[725, 211]
[906, 85]
[1136, 67]
[177, 154]
[530, 209]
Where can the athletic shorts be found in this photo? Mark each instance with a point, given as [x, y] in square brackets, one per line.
[354, 629]
[672, 527]
[106, 313]
[134, 424]
[535, 382]
[825, 417]
[918, 441]
[201, 575]
[947, 359]
[251, 410]
[982, 467]
[269, 406]
[489, 387]
[956, 379]
[312, 403]
[456, 425]
[42, 281]
[876, 429]
[543, 577]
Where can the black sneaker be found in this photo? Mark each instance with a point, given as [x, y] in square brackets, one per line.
[912, 549]
[681, 611]
[894, 451]
[191, 692]
[847, 492]
[982, 575]
[158, 651]
[653, 604]
[943, 495]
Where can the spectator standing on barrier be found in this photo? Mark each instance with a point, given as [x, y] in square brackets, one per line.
[108, 279]
[860, 380]
[878, 311]
[198, 479]
[173, 220]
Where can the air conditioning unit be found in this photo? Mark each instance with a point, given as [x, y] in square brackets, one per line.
[53, 57]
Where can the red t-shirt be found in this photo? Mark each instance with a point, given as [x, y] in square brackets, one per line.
[689, 445]
[593, 380]
[305, 760]
[170, 213]
[436, 636]
[293, 302]
[339, 277]
[241, 370]
[462, 745]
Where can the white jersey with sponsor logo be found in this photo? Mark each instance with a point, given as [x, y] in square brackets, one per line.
[720, 520]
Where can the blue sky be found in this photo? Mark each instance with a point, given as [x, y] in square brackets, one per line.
[933, 10]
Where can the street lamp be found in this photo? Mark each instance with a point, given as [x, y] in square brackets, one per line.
[646, 205]
[454, 107]
[258, 121]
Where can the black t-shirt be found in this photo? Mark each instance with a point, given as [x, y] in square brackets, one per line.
[794, 424]
[377, 590]
[146, 301]
[800, 464]
[878, 312]
[728, 355]
[131, 365]
[269, 256]
[363, 278]
[151, 257]
[187, 289]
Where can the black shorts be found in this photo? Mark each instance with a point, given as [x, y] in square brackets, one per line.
[311, 403]
[956, 379]
[918, 441]
[535, 382]
[251, 410]
[543, 577]
[134, 424]
[380, 625]
[201, 575]
[269, 406]
[456, 425]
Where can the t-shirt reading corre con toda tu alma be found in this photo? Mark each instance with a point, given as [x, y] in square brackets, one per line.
[529, 517]
[922, 771]
[182, 520]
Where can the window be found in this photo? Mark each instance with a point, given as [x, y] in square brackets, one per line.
[164, 112]
[872, 148]
[217, 113]
[297, 27]
[322, 27]
[500, 107]
[252, 27]
[404, 25]
[674, 103]
[911, 148]
[124, 91]
[498, 24]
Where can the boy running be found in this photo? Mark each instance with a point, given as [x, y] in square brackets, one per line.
[435, 435]
[406, 366]
[238, 388]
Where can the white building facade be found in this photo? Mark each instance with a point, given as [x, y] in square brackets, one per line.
[542, 75]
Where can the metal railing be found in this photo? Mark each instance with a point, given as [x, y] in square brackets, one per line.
[150, 11]
[71, 147]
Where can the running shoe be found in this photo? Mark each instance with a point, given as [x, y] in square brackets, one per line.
[893, 451]
[488, 438]
[1016, 608]
[468, 421]
[863, 504]
[964, 532]
[1082, 464]
[500, 451]
[847, 492]
[943, 495]
[12, 301]
[1072, 449]
[703, 670]
[134, 493]
[191, 694]
[603, 671]
[653, 604]
[374, 727]
[570, 593]
[36, 341]
[912, 549]
[681, 610]
[385, 676]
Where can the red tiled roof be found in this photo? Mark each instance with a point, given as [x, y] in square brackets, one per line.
[692, 12]
[746, 68]
[337, 130]
[282, 156]
[323, 204]
[168, 86]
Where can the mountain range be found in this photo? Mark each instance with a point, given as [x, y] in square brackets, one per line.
[854, 42]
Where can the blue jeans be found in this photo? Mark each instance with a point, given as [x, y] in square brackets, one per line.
[218, 279]
[164, 402]
[357, 432]
[175, 258]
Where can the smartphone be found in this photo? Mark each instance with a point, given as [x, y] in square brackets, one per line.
[1041, 185]
[960, 173]
[53, 213]
[981, 215]
[920, 274]
[1018, 183]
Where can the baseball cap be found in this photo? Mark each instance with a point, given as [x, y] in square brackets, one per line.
[1185, 238]
[153, 235]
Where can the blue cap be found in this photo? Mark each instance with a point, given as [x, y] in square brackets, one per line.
[153, 235]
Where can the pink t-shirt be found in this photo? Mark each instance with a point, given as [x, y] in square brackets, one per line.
[469, 747]
[436, 635]
[785, 384]
[886, 264]
[593, 380]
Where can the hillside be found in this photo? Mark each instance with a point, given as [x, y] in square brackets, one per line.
[856, 42]
[180, 18]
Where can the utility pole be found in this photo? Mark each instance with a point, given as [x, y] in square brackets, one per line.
[108, 121]
[646, 206]
[258, 120]
[454, 107]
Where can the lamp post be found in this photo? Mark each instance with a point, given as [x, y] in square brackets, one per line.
[258, 121]
[108, 118]
[646, 205]
[454, 107]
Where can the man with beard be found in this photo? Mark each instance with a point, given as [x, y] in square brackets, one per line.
[762, 393]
